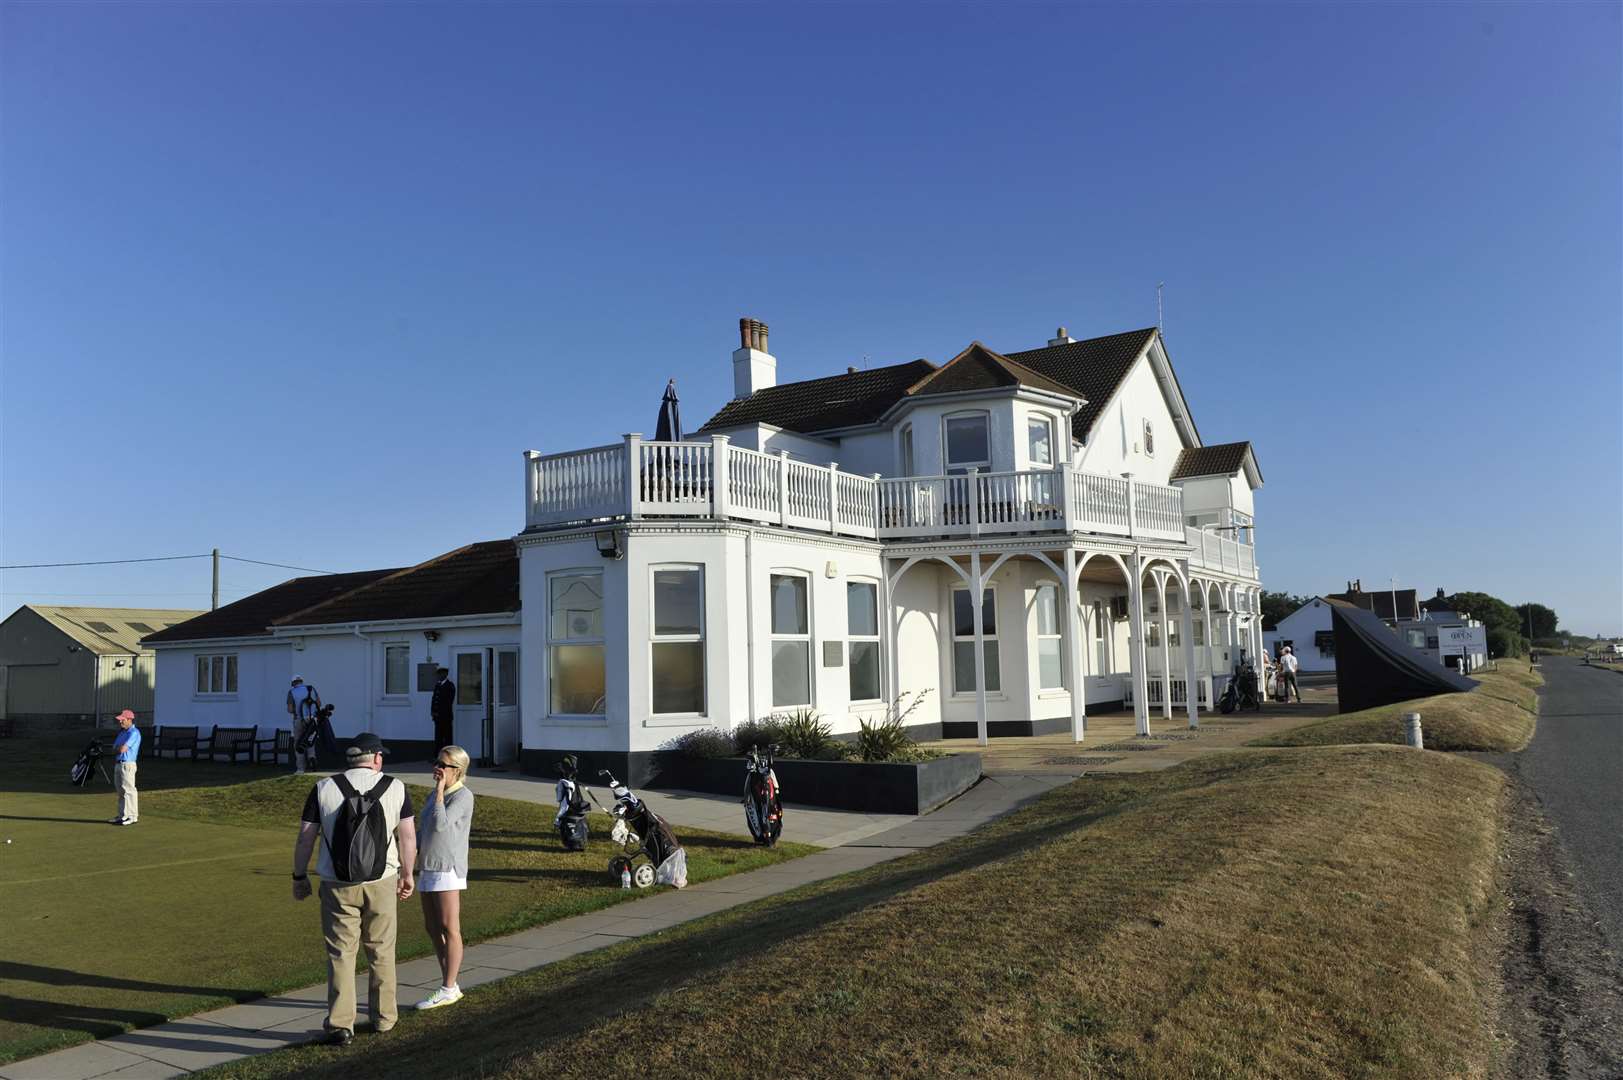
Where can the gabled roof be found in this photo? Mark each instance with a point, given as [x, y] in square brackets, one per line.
[480, 579]
[837, 401]
[252, 615]
[1091, 369]
[1379, 601]
[1439, 603]
[109, 631]
[979, 368]
[1224, 459]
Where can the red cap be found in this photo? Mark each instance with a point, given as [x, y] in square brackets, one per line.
[125, 715]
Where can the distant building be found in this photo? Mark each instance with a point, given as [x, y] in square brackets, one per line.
[66, 666]
[1450, 638]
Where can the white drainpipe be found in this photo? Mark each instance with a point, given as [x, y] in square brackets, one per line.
[356, 630]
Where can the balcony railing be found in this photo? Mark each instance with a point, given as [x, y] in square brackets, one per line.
[715, 479]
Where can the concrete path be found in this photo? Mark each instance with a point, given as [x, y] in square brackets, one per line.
[214, 1038]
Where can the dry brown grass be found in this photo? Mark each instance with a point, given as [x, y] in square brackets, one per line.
[1499, 715]
[1296, 913]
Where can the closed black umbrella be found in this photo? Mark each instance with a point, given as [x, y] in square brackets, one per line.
[669, 428]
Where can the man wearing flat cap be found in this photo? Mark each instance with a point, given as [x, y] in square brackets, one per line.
[363, 818]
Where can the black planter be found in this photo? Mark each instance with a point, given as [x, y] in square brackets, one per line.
[874, 788]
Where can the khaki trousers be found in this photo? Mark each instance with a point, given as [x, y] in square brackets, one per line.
[129, 802]
[352, 917]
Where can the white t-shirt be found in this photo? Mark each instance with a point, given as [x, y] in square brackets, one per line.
[302, 699]
[324, 801]
[1288, 662]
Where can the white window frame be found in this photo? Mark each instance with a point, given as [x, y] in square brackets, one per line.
[806, 639]
[1103, 632]
[989, 599]
[1058, 635]
[876, 638]
[229, 672]
[396, 695]
[600, 640]
[947, 465]
[656, 638]
[1046, 422]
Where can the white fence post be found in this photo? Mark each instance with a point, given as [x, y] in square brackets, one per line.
[975, 506]
[633, 474]
[1066, 508]
[532, 488]
[878, 506]
[1132, 508]
[783, 488]
[833, 496]
[718, 475]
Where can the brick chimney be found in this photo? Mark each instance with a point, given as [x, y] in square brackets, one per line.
[753, 367]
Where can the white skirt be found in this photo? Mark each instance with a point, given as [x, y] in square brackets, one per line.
[440, 881]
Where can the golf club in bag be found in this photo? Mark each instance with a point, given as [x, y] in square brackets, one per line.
[89, 761]
[763, 803]
[649, 850]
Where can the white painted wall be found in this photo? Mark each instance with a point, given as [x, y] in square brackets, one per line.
[1116, 444]
[539, 729]
[1299, 628]
[264, 670]
[870, 452]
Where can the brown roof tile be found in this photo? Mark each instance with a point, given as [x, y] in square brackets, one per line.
[480, 579]
[253, 615]
[1224, 459]
[837, 401]
[1092, 369]
[979, 368]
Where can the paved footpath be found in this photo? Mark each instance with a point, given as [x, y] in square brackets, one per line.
[852, 841]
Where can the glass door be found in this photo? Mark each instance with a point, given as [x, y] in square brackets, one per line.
[471, 675]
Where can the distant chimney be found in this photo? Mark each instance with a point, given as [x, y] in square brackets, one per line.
[753, 367]
[850, 369]
[1061, 336]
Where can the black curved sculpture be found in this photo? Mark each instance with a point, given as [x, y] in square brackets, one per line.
[1375, 667]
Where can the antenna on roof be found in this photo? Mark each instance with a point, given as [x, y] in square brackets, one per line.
[1160, 321]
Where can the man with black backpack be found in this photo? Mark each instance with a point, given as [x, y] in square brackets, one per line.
[363, 819]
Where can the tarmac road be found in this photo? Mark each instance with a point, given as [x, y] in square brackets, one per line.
[1575, 767]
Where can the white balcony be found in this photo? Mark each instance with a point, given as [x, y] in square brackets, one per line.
[716, 480]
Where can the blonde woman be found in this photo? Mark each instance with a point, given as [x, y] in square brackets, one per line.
[442, 852]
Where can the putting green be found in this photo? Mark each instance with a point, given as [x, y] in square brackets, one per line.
[109, 928]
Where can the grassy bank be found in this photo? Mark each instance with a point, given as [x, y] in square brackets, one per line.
[1246, 914]
[1499, 716]
[200, 896]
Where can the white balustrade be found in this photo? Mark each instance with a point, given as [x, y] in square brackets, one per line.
[581, 485]
[1158, 510]
[674, 478]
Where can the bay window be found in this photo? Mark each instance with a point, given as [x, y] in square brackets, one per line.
[677, 646]
[575, 643]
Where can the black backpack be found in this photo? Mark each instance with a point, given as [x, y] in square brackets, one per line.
[360, 842]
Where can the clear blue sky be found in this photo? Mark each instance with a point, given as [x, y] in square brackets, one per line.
[301, 281]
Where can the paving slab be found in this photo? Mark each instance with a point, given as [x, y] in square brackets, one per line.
[146, 1070]
[75, 1063]
[267, 1012]
[194, 1044]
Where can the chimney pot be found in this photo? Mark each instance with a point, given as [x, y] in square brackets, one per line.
[850, 370]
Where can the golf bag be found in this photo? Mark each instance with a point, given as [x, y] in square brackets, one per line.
[1241, 692]
[649, 850]
[572, 807]
[763, 803]
[317, 727]
[87, 764]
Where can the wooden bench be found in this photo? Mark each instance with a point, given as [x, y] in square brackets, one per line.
[175, 739]
[275, 748]
[233, 742]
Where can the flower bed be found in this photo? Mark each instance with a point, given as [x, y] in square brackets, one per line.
[873, 787]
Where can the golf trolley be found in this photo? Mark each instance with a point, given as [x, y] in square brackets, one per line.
[649, 851]
[85, 767]
[1241, 692]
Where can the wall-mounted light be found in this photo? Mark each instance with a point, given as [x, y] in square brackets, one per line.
[431, 635]
[610, 543]
[831, 569]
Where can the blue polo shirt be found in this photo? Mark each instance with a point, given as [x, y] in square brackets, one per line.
[128, 743]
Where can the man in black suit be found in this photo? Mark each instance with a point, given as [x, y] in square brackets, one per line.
[440, 709]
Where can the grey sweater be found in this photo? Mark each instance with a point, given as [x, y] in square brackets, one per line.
[442, 832]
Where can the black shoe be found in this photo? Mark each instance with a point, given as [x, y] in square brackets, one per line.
[339, 1037]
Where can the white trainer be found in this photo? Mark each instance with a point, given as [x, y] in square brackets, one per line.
[445, 995]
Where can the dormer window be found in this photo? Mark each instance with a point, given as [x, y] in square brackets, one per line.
[1149, 438]
[969, 443]
[1040, 441]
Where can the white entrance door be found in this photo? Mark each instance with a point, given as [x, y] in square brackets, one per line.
[471, 674]
[506, 723]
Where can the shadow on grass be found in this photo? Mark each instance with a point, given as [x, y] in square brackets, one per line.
[59, 820]
[99, 1021]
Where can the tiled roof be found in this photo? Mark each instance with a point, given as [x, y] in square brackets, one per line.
[252, 615]
[1224, 459]
[837, 401]
[480, 579]
[109, 631]
[1379, 601]
[1092, 369]
[979, 368]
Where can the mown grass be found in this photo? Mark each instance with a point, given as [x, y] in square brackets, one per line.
[1499, 715]
[1293, 913]
[198, 899]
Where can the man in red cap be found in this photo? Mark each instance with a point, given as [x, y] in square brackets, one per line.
[125, 749]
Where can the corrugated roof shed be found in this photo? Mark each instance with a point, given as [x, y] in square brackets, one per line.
[253, 615]
[109, 631]
[480, 579]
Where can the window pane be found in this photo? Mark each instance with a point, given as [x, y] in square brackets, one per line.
[231, 674]
[1050, 672]
[216, 674]
[963, 667]
[507, 678]
[577, 607]
[677, 602]
[577, 679]
[864, 670]
[1047, 609]
[788, 604]
[791, 673]
[963, 616]
[988, 615]
[679, 677]
[862, 609]
[1040, 438]
[395, 658]
[470, 679]
[202, 674]
[967, 441]
[907, 451]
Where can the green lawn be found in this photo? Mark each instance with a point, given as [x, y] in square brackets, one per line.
[112, 928]
[1323, 912]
